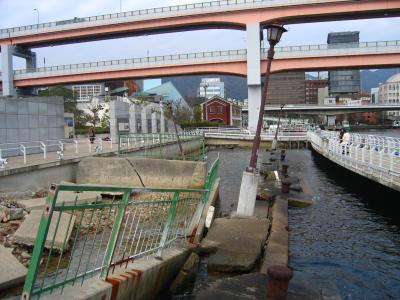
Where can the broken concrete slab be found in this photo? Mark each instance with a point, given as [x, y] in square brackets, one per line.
[12, 272]
[27, 232]
[241, 241]
[64, 196]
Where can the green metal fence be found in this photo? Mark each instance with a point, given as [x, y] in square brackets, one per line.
[160, 145]
[78, 239]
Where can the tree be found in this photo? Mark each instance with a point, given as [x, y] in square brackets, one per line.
[93, 117]
[175, 111]
[197, 114]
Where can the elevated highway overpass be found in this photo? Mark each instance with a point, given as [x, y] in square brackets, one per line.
[236, 14]
[308, 57]
[248, 15]
[329, 109]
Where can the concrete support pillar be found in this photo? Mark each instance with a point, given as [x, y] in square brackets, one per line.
[132, 118]
[27, 54]
[162, 119]
[254, 99]
[7, 73]
[31, 61]
[247, 194]
[144, 119]
[154, 122]
[253, 40]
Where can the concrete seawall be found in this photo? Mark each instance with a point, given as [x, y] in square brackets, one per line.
[137, 171]
[42, 175]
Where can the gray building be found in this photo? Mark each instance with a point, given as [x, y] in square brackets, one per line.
[287, 88]
[344, 83]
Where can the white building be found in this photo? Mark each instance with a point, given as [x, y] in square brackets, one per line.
[389, 93]
[210, 87]
[375, 95]
[85, 92]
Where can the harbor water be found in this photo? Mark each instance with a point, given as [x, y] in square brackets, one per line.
[350, 236]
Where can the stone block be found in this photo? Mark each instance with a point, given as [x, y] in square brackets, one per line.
[12, 121]
[3, 121]
[60, 122]
[12, 135]
[34, 134]
[11, 107]
[33, 121]
[2, 106]
[43, 134]
[12, 272]
[23, 135]
[23, 121]
[27, 232]
[52, 121]
[53, 134]
[43, 121]
[3, 135]
[60, 110]
[33, 108]
[42, 109]
[23, 108]
[51, 109]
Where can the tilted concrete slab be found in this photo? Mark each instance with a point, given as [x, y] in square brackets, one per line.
[132, 171]
[12, 272]
[241, 242]
[27, 232]
[65, 196]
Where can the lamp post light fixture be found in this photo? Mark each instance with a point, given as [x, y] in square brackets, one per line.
[37, 11]
[205, 86]
[274, 34]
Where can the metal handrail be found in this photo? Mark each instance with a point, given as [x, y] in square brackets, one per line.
[108, 233]
[238, 53]
[221, 5]
[378, 153]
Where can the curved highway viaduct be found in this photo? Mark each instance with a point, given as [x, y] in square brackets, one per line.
[233, 62]
[237, 14]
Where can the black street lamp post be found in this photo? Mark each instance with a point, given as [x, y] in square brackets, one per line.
[274, 34]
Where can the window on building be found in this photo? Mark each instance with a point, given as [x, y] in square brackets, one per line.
[220, 109]
[211, 109]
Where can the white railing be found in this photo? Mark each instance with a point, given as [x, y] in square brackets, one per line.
[152, 13]
[36, 152]
[376, 157]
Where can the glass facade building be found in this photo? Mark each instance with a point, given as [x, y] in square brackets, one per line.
[344, 83]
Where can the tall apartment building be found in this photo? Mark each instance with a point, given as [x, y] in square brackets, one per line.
[286, 88]
[344, 83]
[210, 87]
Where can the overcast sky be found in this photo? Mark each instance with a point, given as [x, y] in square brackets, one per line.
[21, 12]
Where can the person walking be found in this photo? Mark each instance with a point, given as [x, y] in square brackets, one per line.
[92, 134]
[341, 133]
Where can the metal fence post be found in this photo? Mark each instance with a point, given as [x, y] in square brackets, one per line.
[40, 240]
[167, 224]
[114, 235]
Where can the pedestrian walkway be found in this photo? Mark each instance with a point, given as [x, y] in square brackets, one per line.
[66, 150]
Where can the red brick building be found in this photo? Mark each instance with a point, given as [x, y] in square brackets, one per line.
[312, 87]
[222, 111]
